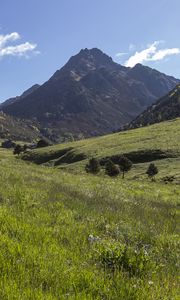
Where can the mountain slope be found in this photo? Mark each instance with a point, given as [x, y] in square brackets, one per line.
[18, 129]
[166, 108]
[91, 95]
[15, 99]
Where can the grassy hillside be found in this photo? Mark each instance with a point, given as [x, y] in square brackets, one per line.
[18, 129]
[159, 143]
[66, 234]
[70, 236]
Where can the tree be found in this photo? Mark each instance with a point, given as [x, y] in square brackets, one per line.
[17, 149]
[8, 144]
[25, 147]
[93, 166]
[111, 169]
[152, 171]
[125, 165]
[42, 143]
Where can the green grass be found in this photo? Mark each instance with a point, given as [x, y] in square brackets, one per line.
[74, 156]
[77, 236]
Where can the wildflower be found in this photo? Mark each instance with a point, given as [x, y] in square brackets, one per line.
[145, 252]
[93, 239]
[150, 282]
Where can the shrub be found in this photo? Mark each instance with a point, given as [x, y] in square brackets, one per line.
[18, 149]
[93, 166]
[111, 169]
[168, 179]
[25, 147]
[116, 257]
[42, 143]
[125, 164]
[8, 144]
[152, 171]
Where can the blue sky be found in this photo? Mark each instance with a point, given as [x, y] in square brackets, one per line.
[37, 37]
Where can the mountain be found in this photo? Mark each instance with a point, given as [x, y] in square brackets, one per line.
[17, 98]
[18, 129]
[91, 95]
[166, 108]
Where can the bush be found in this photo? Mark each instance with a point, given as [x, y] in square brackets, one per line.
[93, 166]
[111, 169]
[168, 179]
[42, 143]
[152, 171]
[125, 164]
[25, 147]
[8, 144]
[18, 149]
[116, 257]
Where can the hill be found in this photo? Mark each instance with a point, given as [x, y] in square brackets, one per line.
[91, 95]
[166, 108]
[18, 129]
[80, 236]
[158, 143]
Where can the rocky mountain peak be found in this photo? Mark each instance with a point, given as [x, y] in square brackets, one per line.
[89, 59]
[91, 95]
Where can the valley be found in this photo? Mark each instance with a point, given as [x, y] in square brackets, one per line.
[89, 150]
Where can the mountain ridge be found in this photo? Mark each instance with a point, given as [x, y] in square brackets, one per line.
[17, 98]
[166, 108]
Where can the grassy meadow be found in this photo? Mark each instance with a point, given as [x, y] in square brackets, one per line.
[65, 234]
[163, 137]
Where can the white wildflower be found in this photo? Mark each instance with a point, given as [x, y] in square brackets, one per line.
[93, 239]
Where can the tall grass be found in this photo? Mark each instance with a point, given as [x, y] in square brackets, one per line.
[65, 236]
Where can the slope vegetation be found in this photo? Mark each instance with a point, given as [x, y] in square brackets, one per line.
[159, 142]
[18, 129]
[166, 108]
[67, 236]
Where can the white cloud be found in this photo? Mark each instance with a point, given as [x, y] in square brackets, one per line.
[15, 50]
[165, 52]
[121, 54]
[142, 56]
[18, 50]
[151, 53]
[4, 39]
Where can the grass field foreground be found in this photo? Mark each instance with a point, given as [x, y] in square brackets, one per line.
[70, 236]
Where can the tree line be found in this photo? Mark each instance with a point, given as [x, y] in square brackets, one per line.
[123, 166]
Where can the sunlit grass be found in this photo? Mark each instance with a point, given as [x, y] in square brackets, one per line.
[49, 217]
